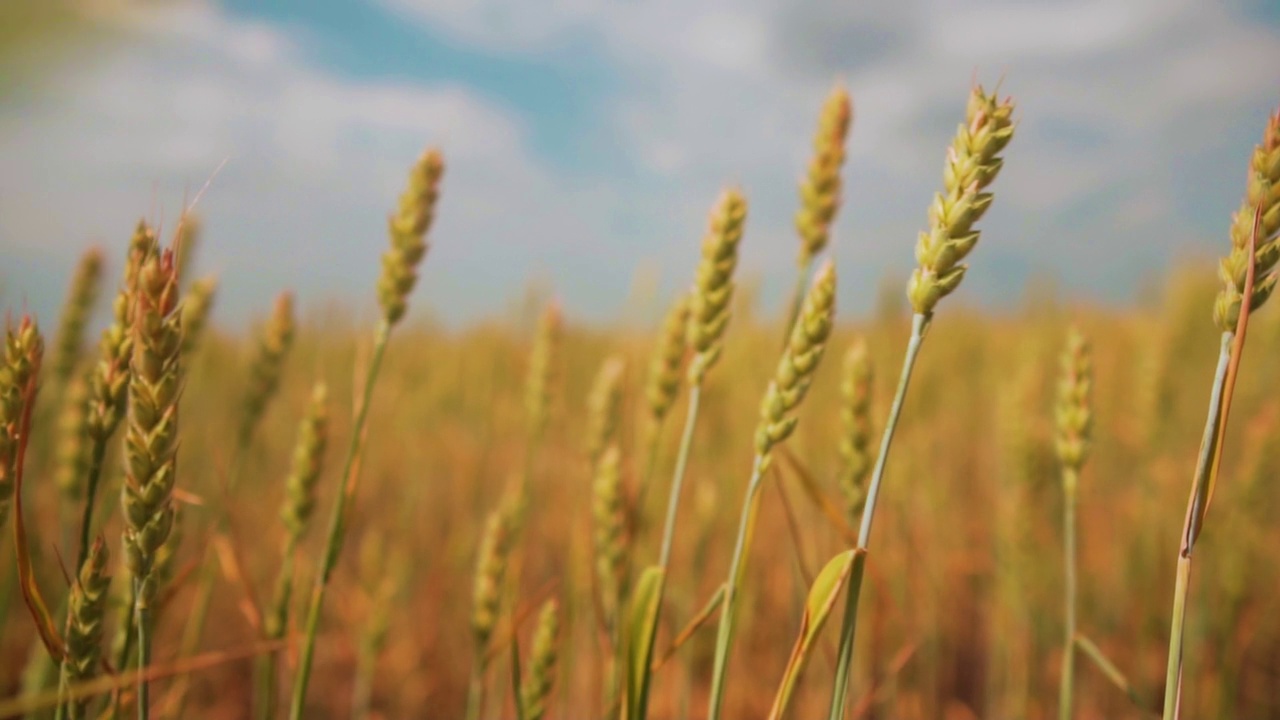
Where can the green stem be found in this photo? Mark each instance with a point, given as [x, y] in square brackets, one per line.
[844, 661]
[337, 524]
[669, 526]
[737, 567]
[1070, 480]
[677, 479]
[1191, 530]
[265, 669]
[123, 650]
[1173, 675]
[475, 693]
[142, 619]
[797, 300]
[94, 477]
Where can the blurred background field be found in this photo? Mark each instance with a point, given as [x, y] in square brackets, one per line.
[964, 611]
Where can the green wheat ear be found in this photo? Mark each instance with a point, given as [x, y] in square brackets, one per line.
[1262, 198]
[710, 302]
[23, 350]
[85, 612]
[408, 229]
[820, 189]
[973, 161]
[1072, 412]
[536, 691]
[856, 453]
[799, 362]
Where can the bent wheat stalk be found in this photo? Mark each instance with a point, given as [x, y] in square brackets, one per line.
[1248, 278]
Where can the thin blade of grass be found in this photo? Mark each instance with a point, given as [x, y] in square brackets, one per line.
[829, 509]
[697, 623]
[26, 704]
[1111, 672]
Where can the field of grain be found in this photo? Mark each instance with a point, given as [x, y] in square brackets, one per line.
[343, 516]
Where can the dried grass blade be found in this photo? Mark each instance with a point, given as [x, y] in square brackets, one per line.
[1237, 352]
[847, 534]
[1112, 672]
[45, 624]
[698, 622]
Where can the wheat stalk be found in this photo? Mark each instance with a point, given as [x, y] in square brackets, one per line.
[972, 163]
[408, 228]
[151, 442]
[299, 506]
[1248, 278]
[1074, 418]
[109, 377]
[486, 596]
[710, 307]
[790, 383]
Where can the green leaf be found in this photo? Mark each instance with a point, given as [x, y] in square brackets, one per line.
[642, 622]
[822, 598]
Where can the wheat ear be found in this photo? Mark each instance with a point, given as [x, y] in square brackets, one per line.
[820, 189]
[855, 416]
[85, 618]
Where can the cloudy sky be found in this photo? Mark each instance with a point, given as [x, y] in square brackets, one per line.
[586, 139]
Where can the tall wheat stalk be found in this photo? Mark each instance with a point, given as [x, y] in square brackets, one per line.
[1074, 419]
[151, 442]
[972, 164]
[1248, 280]
[299, 506]
[408, 229]
[790, 383]
[709, 311]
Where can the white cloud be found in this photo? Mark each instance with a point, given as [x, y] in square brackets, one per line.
[313, 164]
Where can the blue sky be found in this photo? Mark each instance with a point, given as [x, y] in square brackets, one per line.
[586, 141]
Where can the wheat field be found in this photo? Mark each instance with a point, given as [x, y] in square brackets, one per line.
[338, 515]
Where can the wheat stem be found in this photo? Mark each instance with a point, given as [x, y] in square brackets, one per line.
[844, 660]
[724, 633]
[337, 522]
[1069, 480]
[1204, 463]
